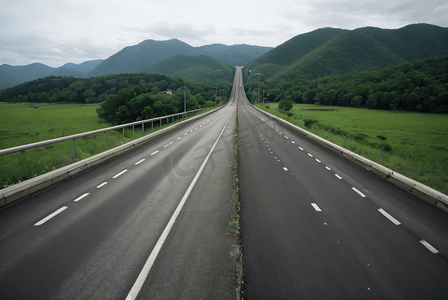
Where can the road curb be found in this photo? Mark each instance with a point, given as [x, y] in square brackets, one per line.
[22, 190]
[419, 190]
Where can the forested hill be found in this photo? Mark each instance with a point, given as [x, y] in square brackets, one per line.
[134, 58]
[330, 51]
[420, 85]
[194, 68]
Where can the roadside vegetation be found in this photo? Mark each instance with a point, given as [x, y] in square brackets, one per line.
[23, 124]
[413, 144]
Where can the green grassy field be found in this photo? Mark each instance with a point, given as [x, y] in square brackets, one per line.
[25, 125]
[414, 144]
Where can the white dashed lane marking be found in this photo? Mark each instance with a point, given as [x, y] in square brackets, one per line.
[392, 219]
[119, 174]
[101, 185]
[167, 145]
[337, 176]
[155, 152]
[81, 197]
[429, 247]
[358, 192]
[51, 216]
[140, 161]
[316, 207]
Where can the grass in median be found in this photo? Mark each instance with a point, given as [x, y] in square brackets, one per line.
[25, 125]
[414, 144]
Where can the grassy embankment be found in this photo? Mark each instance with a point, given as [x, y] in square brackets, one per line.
[22, 125]
[414, 144]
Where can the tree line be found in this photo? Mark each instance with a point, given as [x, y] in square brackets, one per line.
[124, 97]
[415, 86]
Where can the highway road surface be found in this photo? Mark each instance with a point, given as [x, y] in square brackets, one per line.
[146, 225]
[149, 224]
[316, 227]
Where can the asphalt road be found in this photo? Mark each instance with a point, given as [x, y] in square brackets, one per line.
[91, 236]
[313, 225]
[316, 227]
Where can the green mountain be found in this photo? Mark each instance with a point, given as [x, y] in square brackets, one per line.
[193, 68]
[134, 58]
[13, 75]
[235, 55]
[330, 51]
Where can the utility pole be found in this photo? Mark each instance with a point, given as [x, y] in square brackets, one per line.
[185, 99]
[258, 95]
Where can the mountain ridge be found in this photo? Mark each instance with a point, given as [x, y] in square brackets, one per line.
[345, 51]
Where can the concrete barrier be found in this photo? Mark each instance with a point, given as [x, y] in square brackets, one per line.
[22, 190]
[419, 190]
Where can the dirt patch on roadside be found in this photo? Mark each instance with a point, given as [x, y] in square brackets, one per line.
[318, 109]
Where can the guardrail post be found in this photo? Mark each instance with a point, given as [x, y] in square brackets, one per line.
[132, 131]
[152, 125]
[105, 137]
[143, 128]
[160, 122]
[123, 135]
[74, 150]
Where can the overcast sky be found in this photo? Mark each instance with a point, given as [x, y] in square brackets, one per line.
[54, 32]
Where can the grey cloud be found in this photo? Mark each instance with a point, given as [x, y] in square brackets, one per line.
[171, 30]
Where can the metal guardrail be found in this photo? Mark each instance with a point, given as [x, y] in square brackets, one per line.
[80, 135]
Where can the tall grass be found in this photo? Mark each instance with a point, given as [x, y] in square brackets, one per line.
[413, 144]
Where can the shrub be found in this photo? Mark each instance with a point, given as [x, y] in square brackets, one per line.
[290, 114]
[285, 105]
[309, 122]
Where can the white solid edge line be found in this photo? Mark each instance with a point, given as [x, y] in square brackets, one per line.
[101, 185]
[392, 219]
[119, 174]
[51, 216]
[359, 192]
[140, 161]
[155, 152]
[133, 293]
[316, 207]
[429, 247]
[82, 196]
